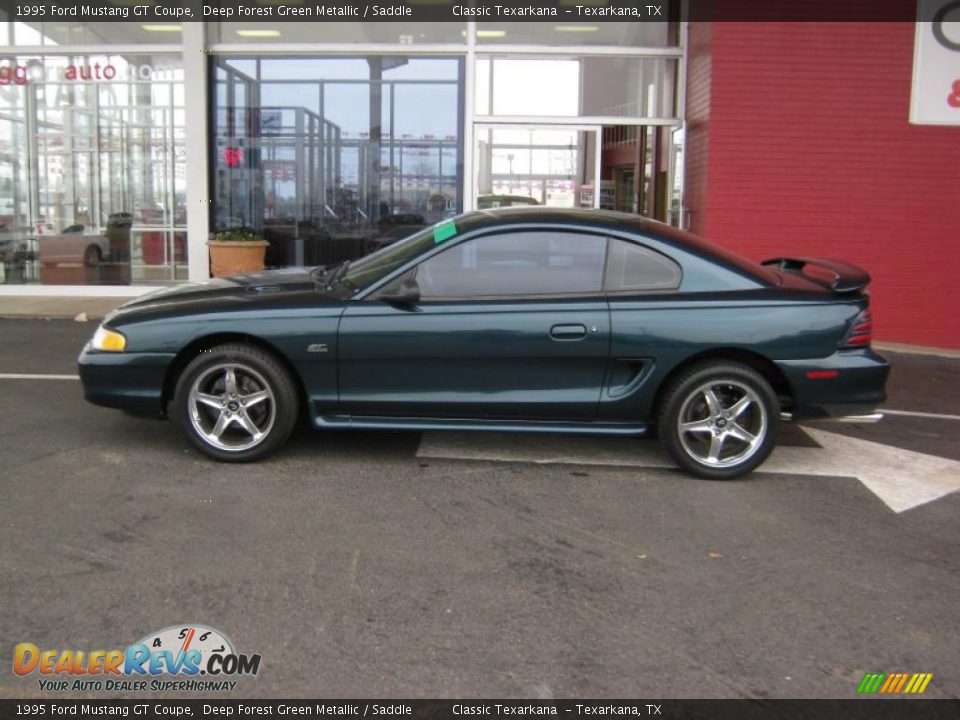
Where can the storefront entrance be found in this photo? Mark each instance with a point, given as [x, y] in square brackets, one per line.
[609, 167]
[554, 165]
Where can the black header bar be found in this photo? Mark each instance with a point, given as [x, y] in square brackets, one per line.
[592, 11]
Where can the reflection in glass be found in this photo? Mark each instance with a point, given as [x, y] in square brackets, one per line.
[534, 166]
[331, 158]
[92, 171]
[567, 87]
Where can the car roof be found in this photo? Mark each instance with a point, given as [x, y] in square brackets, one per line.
[541, 213]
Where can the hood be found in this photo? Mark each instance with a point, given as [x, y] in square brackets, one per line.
[267, 289]
[258, 282]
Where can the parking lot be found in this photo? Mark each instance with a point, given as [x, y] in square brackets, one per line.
[437, 564]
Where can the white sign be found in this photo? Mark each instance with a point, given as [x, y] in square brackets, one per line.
[935, 97]
[271, 122]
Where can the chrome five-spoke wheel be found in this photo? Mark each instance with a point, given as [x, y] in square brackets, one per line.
[236, 402]
[719, 419]
[722, 424]
[232, 407]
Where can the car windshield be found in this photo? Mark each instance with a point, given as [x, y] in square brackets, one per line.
[367, 270]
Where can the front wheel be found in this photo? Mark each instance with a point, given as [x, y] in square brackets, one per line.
[235, 403]
[719, 420]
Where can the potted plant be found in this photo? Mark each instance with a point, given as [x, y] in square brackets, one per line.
[236, 251]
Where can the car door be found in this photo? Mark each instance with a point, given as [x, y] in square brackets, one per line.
[649, 330]
[509, 325]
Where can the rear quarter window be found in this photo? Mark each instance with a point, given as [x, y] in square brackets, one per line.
[635, 268]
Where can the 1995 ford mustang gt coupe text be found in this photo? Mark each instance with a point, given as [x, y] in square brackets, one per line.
[517, 319]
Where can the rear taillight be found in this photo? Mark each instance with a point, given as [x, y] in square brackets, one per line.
[860, 333]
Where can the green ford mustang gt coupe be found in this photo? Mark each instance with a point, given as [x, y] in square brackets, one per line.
[517, 319]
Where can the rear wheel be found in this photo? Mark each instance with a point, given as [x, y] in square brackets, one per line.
[235, 403]
[92, 256]
[719, 420]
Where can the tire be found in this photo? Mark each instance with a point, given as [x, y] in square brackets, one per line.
[92, 256]
[246, 424]
[716, 443]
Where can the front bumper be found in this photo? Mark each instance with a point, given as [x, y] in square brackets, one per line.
[129, 381]
[847, 383]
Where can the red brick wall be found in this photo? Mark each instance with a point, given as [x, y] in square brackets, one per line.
[811, 153]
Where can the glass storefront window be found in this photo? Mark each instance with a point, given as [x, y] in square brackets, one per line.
[562, 33]
[533, 165]
[331, 158]
[95, 33]
[568, 87]
[92, 170]
[396, 33]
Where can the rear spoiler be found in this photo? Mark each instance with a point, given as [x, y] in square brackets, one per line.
[847, 278]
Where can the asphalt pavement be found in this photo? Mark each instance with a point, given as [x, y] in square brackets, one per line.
[405, 565]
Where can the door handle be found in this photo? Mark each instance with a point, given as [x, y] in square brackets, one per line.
[568, 332]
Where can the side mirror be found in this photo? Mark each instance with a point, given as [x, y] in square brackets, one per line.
[406, 293]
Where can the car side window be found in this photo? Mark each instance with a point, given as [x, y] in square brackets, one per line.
[635, 268]
[516, 264]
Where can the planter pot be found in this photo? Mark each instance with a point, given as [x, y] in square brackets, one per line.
[236, 257]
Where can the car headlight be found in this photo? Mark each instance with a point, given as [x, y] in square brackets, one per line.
[107, 340]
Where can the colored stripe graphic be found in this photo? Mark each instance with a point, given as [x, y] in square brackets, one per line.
[918, 683]
[898, 686]
[870, 683]
[894, 683]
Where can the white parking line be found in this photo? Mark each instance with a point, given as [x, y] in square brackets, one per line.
[36, 376]
[902, 479]
[908, 413]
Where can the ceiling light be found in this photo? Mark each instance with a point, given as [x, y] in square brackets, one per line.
[162, 28]
[487, 33]
[258, 33]
[576, 28]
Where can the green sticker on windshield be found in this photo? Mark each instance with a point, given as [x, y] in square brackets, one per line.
[444, 231]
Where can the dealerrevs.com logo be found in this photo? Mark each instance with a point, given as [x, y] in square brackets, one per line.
[184, 658]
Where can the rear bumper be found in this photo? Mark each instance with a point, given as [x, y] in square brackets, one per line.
[129, 381]
[847, 383]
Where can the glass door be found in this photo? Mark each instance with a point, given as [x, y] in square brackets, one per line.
[552, 165]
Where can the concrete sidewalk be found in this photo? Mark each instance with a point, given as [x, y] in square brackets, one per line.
[58, 307]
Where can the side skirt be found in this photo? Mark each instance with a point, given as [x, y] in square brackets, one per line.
[340, 422]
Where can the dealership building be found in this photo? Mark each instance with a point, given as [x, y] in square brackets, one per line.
[125, 145]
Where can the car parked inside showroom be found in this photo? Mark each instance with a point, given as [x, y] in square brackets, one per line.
[514, 319]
